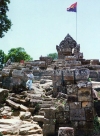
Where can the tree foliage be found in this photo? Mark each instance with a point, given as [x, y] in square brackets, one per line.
[53, 55]
[2, 57]
[18, 54]
[5, 23]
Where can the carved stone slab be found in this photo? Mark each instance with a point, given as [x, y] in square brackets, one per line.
[82, 74]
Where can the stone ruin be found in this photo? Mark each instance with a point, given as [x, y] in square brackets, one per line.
[72, 102]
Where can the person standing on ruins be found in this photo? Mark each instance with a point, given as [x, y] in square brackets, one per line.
[29, 81]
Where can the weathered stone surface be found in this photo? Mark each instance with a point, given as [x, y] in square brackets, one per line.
[3, 95]
[89, 114]
[10, 126]
[5, 112]
[13, 104]
[77, 114]
[27, 129]
[72, 98]
[94, 62]
[82, 84]
[72, 89]
[17, 73]
[50, 113]
[6, 72]
[87, 104]
[84, 94]
[23, 108]
[45, 105]
[70, 58]
[82, 74]
[49, 121]
[85, 125]
[93, 74]
[48, 129]
[75, 105]
[66, 131]
[72, 63]
[38, 118]
[25, 115]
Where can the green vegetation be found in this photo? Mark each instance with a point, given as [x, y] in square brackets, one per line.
[96, 125]
[18, 54]
[53, 55]
[5, 23]
[2, 57]
[1, 134]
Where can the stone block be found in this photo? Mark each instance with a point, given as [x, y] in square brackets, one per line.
[77, 114]
[94, 62]
[82, 74]
[48, 129]
[72, 98]
[66, 50]
[64, 131]
[70, 58]
[68, 75]
[81, 84]
[72, 89]
[84, 94]
[85, 125]
[6, 72]
[50, 113]
[87, 104]
[93, 74]
[13, 104]
[89, 114]
[49, 121]
[17, 73]
[3, 95]
[59, 115]
[72, 63]
[75, 105]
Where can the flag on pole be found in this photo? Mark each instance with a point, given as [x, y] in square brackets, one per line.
[73, 7]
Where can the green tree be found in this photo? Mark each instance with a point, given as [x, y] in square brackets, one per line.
[5, 23]
[2, 57]
[53, 55]
[18, 54]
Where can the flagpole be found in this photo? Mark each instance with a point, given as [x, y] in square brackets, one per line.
[76, 26]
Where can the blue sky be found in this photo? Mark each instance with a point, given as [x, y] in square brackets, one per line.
[40, 25]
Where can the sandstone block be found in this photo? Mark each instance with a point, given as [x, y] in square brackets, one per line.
[66, 131]
[48, 129]
[3, 95]
[84, 94]
[77, 114]
[75, 105]
[72, 89]
[82, 74]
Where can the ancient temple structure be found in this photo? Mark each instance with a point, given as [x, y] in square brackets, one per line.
[71, 78]
[73, 103]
